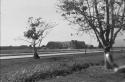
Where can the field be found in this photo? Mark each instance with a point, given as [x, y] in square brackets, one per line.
[63, 68]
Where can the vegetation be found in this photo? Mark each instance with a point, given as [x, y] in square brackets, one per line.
[73, 44]
[104, 18]
[32, 70]
[37, 30]
[44, 71]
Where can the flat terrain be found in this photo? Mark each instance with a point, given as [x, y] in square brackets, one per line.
[26, 51]
[94, 73]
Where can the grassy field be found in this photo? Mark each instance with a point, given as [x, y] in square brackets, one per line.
[17, 52]
[68, 68]
[29, 50]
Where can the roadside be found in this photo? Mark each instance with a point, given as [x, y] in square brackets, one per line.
[24, 55]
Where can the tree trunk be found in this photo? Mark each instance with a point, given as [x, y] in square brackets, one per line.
[100, 45]
[109, 61]
[36, 56]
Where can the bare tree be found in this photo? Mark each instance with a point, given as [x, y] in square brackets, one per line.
[104, 18]
[37, 29]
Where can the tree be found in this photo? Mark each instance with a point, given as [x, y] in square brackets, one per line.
[104, 18]
[37, 29]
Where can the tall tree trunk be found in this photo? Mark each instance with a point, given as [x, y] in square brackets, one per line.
[109, 61]
[36, 56]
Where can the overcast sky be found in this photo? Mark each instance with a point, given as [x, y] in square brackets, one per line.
[14, 15]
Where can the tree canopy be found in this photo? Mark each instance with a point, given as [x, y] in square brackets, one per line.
[37, 29]
[106, 18]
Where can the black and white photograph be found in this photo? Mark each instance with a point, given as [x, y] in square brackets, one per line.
[62, 41]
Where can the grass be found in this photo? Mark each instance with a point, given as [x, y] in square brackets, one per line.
[43, 71]
[30, 70]
[29, 51]
[88, 76]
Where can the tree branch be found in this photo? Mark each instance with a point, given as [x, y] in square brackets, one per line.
[122, 25]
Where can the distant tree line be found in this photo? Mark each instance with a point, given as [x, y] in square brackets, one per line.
[74, 44]
[13, 47]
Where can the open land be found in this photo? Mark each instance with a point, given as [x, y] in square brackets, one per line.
[62, 68]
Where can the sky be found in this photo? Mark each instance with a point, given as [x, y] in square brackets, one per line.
[14, 16]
